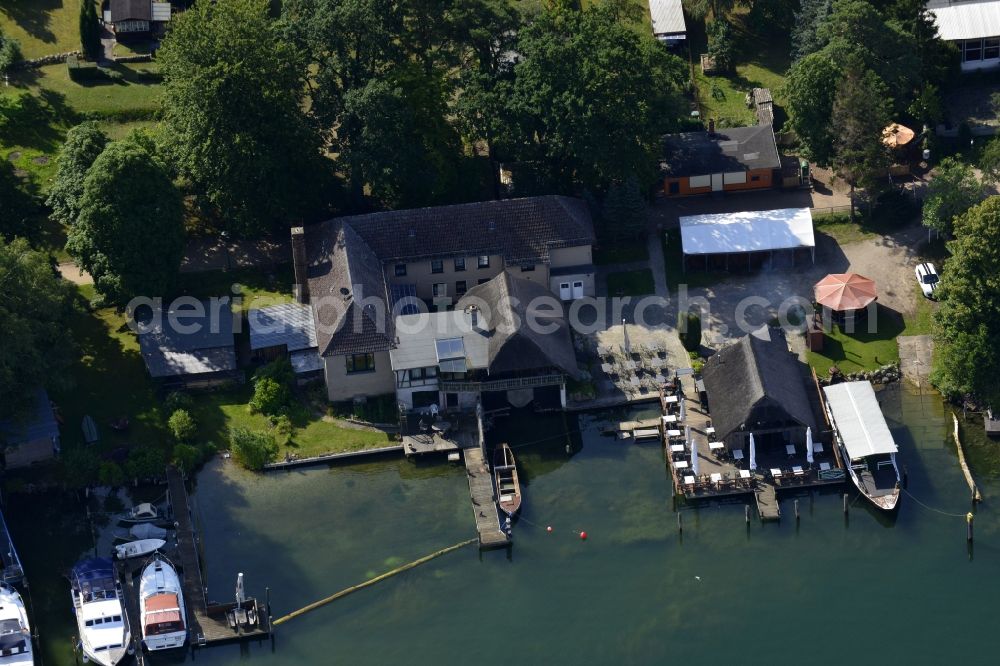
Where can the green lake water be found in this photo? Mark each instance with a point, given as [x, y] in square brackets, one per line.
[826, 590]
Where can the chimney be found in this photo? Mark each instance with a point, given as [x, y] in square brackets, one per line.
[711, 125]
[300, 263]
[473, 312]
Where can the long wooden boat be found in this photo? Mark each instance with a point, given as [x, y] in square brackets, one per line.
[865, 442]
[508, 485]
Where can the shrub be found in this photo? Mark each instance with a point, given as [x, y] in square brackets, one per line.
[269, 397]
[111, 474]
[182, 425]
[283, 429]
[146, 462]
[178, 400]
[252, 449]
[689, 330]
[10, 52]
[187, 457]
[81, 467]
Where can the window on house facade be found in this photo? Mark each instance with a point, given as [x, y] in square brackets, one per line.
[754, 179]
[973, 50]
[460, 288]
[527, 268]
[991, 48]
[400, 270]
[460, 264]
[674, 187]
[416, 377]
[437, 266]
[484, 261]
[360, 363]
[483, 280]
[440, 289]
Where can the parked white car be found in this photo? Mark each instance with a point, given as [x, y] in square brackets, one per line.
[928, 278]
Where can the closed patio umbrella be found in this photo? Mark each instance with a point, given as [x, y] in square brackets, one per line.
[694, 457]
[809, 445]
[753, 453]
[627, 345]
[683, 409]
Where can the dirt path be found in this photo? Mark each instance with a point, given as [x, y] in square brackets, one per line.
[72, 273]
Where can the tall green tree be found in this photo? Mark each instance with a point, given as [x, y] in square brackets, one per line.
[129, 234]
[810, 88]
[84, 143]
[591, 99]
[967, 325]
[990, 161]
[808, 19]
[37, 344]
[952, 191]
[10, 52]
[90, 31]
[860, 114]
[233, 118]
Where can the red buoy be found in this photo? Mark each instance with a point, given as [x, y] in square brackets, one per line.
[548, 529]
[583, 536]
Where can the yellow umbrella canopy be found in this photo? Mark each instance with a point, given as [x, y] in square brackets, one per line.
[896, 135]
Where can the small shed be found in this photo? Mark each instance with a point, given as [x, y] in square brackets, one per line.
[31, 440]
[667, 19]
[285, 330]
[190, 343]
[748, 238]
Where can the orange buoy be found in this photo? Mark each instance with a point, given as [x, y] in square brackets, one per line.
[583, 536]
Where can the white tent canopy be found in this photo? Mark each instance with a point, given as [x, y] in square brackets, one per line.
[747, 231]
[858, 418]
[972, 19]
[667, 17]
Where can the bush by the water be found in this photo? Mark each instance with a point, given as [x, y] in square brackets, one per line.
[146, 462]
[186, 457]
[272, 393]
[182, 425]
[689, 329]
[252, 449]
[178, 400]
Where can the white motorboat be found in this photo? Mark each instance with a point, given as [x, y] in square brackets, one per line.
[865, 442]
[100, 612]
[147, 531]
[142, 513]
[138, 548]
[15, 632]
[161, 606]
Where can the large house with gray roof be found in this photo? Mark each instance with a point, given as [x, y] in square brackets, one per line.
[723, 160]
[360, 273]
[190, 343]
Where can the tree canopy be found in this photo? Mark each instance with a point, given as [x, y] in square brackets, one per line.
[34, 307]
[129, 234]
[16, 205]
[233, 115]
[90, 30]
[967, 325]
[952, 191]
[84, 143]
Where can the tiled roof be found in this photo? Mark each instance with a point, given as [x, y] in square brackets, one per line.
[208, 347]
[723, 151]
[136, 10]
[521, 230]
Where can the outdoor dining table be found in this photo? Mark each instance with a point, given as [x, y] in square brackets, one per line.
[681, 464]
[797, 471]
[715, 446]
[607, 368]
[670, 399]
[673, 433]
[676, 448]
[737, 454]
[441, 426]
[716, 478]
[710, 430]
[817, 447]
[688, 480]
[670, 418]
[775, 472]
[790, 449]
[744, 474]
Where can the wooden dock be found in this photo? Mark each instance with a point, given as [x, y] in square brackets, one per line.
[208, 623]
[767, 502]
[625, 429]
[484, 504]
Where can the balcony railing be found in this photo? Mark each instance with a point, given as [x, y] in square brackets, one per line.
[502, 384]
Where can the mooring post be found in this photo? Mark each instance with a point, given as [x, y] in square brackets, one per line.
[267, 600]
[845, 503]
[796, 509]
[906, 476]
[969, 518]
[680, 521]
[746, 512]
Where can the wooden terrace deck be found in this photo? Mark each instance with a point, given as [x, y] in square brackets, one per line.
[484, 504]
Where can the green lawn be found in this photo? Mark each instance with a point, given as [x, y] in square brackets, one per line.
[631, 283]
[621, 252]
[43, 27]
[135, 96]
[839, 227]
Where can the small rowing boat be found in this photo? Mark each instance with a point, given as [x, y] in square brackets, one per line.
[507, 484]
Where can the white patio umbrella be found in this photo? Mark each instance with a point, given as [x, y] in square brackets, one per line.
[687, 434]
[809, 445]
[627, 345]
[683, 408]
[753, 453]
[694, 457]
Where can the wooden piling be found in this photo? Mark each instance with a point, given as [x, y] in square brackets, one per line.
[796, 509]
[746, 512]
[845, 503]
[680, 521]
[969, 518]
[976, 496]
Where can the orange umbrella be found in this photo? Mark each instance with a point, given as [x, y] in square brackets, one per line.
[896, 135]
[845, 291]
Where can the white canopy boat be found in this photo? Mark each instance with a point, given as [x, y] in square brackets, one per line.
[161, 606]
[865, 442]
[15, 632]
[100, 614]
[138, 548]
[142, 513]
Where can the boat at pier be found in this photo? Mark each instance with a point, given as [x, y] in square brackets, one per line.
[100, 612]
[140, 548]
[865, 442]
[15, 632]
[508, 485]
[161, 606]
[142, 513]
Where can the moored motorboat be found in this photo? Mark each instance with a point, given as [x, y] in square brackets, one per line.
[143, 531]
[161, 606]
[508, 485]
[865, 442]
[142, 513]
[15, 632]
[124, 551]
[100, 612]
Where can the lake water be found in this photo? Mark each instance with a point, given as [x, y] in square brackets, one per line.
[827, 589]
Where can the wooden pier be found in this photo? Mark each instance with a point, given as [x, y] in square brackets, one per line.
[767, 502]
[208, 623]
[484, 504]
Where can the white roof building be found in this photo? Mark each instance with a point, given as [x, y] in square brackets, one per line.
[667, 17]
[747, 231]
[858, 418]
[974, 25]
